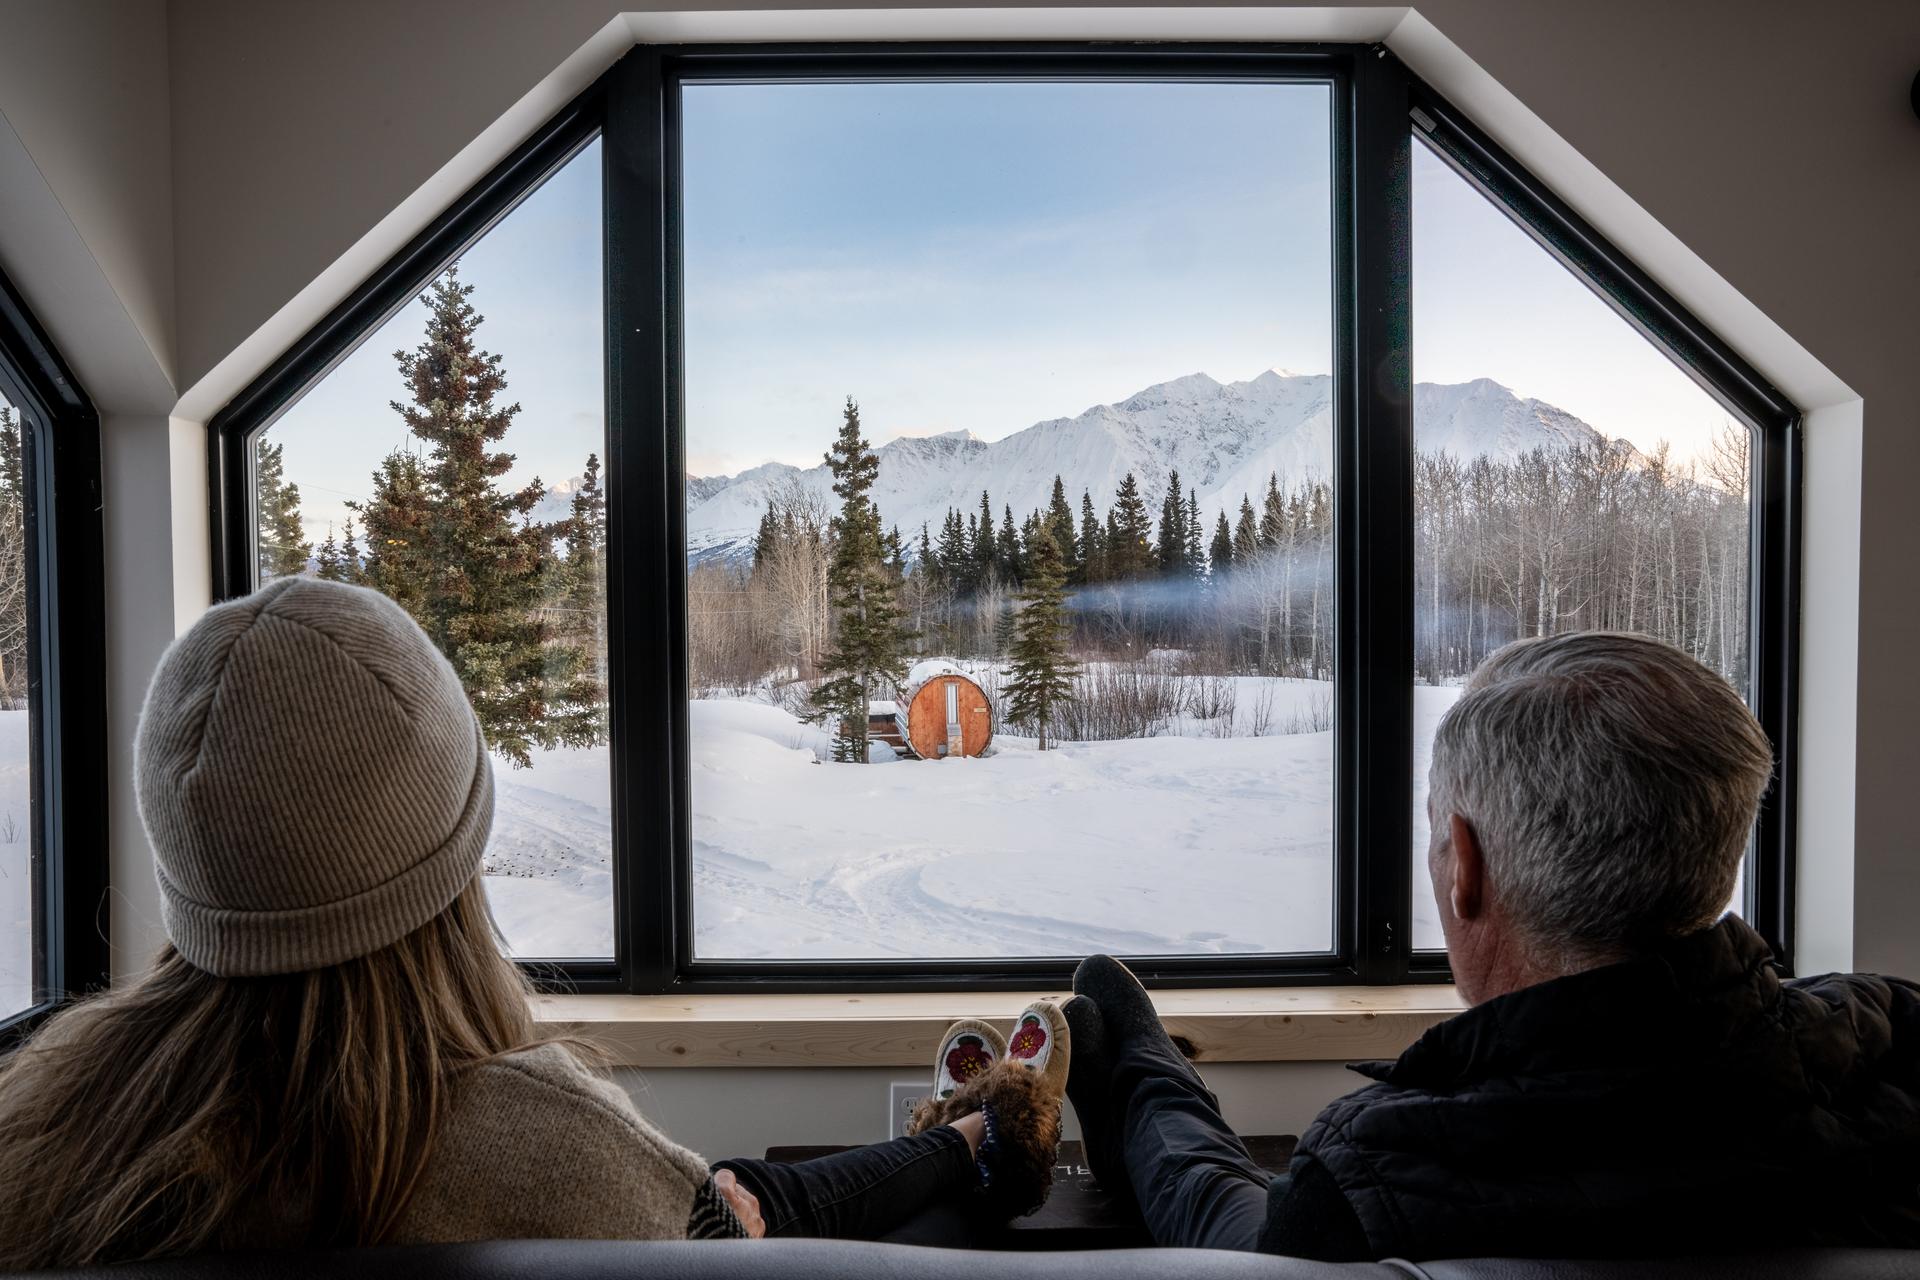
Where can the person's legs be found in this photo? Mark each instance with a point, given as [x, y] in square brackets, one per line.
[862, 1193]
[1194, 1180]
[985, 1146]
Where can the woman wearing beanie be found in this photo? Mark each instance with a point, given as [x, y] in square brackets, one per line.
[332, 1049]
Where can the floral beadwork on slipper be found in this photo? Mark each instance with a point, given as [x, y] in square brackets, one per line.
[967, 1058]
[1029, 1039]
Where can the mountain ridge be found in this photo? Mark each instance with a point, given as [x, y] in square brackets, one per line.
[1225, 439]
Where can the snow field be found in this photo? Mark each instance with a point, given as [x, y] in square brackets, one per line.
[1188, 843]
[1156, 845]
[549, 865]
[1150, 846]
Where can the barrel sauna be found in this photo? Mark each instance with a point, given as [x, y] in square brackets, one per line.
[942, 712]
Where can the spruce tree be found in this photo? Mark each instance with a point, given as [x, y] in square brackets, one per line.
[1060, 525]
[1273, 517]
[954, 557]
[1246, 535]
[1093, 545]
[582, 595]
[326, 559]
[1196, 559]
[1007, 554]
[986, 546]
[970, 571]
[1222, 550]
[282, 543]
[351, 568]
[477, 565]
[870, 637]
[896, 551]
[765, 537]
[1041, 678]
[1171, 552]
[398, 560]
[1129, 545]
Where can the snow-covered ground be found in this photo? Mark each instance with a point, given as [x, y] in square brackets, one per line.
[550, 863]
[1430, 702]
[1152, 845]
[16, 870]
[1176, 844]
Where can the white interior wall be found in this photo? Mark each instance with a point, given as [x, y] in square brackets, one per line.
[185, 186]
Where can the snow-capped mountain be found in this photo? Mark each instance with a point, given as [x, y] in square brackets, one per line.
[1225, 439]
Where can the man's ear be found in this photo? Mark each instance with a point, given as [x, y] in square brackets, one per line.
[1468, 896]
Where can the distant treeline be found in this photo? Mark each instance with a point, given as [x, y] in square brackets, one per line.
[1556, 540]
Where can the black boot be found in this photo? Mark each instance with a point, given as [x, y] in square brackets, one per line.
[1090, 1089]
[1127, 1014]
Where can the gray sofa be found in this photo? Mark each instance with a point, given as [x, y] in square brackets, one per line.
[830, 1259]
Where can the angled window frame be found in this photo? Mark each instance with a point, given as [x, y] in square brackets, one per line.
[634, 109]
[66, 666]
[1774, 483]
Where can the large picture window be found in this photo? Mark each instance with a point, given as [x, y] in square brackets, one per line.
[1097, 413]
[964, 509]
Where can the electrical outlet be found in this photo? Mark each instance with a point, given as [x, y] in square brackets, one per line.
[902, 1101]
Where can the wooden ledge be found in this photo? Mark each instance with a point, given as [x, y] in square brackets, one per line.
[1270, 1024]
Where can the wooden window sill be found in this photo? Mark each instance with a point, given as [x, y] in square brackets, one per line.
[1275, 1024]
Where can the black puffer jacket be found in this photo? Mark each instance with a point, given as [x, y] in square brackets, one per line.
[1689, 1101]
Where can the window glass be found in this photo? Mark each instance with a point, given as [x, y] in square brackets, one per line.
[19, 944]
[1009, 518]
[1568, 474]
[454, 461]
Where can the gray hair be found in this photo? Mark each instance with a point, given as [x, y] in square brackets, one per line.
[1612, 782]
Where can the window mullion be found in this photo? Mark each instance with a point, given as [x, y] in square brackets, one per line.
[1374, 519]
[646, 605]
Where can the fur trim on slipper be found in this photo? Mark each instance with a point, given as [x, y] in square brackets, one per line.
[1024, 1142]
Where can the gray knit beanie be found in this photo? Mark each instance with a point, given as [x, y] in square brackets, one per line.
[312, 779]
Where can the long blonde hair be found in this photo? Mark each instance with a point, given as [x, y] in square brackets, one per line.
[186, 1112]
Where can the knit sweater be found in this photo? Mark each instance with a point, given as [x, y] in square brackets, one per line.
[535, 1146]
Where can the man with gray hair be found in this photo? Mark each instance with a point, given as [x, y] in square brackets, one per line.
[1633, 1077]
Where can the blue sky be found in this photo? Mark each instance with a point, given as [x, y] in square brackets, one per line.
[982, 257]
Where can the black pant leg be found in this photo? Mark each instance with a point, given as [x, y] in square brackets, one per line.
[1196, 1183]
[863, 1193]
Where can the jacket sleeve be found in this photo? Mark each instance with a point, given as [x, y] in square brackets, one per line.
[1308, 1217]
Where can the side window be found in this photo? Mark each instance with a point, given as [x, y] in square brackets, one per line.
[455, 461]
[1568, 474]
[53, 839]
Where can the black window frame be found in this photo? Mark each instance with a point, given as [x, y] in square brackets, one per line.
[1376, 107]
[66, 667]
